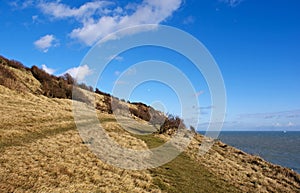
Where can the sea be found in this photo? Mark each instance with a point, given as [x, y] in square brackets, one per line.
[278, 147]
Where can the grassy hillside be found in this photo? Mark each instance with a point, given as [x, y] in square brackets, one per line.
[42, 151]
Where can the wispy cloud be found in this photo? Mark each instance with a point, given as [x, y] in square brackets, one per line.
[61, 11]
[46, 42]
[120, 82]
[201, 92]
[232, 3]
[197, 111]
[100, 18]
[280, 125]
[35, 19]
[115, 57]
[117, 73]
[48, 70]
[131, 71]
[189, 20]
[203, 110]
[207, 107]
[80, 73]
[272, 115]
[21, 4]
[214, 125]
[277, 125]
[290, 124]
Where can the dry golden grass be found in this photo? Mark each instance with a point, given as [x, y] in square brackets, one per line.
[25, 114]
[41, 150]
[26, 78]
[62, 163]
[19, 79]
[246, 172]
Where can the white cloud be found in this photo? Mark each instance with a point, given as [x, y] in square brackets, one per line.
[277, 125]
[48, 70]
[232, 3]
[79, 73]
[130, 71]
[21, 4]
[34, 18]
[59, 10]
[99, 19]
[129, 31]
[27, 3]
[45, 42]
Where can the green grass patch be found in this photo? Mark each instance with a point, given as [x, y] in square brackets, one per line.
[104, 120]
[33, 136]
[184, 174]
[150, 140]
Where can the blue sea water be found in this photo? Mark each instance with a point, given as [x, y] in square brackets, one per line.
[278, 147]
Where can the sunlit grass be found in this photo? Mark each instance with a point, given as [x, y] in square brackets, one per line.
[42, 151]
[184, 174]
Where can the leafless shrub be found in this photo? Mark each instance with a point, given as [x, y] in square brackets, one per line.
[141, 111]
[171, 123]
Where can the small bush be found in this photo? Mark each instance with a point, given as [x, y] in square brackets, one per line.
[102, 93]
[107, 102]
[16, 64]
[3, 60]
[52, 86]
[85, 87]
[5, 73]
[7, 77]
[141, 111]
[193, 129]
[12, 63]
[69, 79]
[171, 123]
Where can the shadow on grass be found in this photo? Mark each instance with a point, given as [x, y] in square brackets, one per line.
[33, 136]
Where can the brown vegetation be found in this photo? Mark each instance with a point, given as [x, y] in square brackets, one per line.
[7, 78]
[54, 87]
[17, 77]
[171, 125]
[12, 63]
[141, 111]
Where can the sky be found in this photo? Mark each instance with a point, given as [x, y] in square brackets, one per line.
[255, 43]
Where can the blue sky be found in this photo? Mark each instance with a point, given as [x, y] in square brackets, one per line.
[255, 43]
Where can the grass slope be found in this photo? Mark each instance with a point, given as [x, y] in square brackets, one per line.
[42, 151]
[184, 174]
